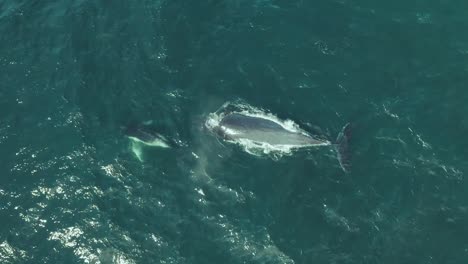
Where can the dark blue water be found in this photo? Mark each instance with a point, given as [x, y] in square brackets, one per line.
[74, 74]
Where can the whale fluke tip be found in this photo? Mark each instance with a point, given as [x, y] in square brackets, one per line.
[342, 147]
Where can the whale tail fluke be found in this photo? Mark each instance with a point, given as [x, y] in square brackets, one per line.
[342, 147]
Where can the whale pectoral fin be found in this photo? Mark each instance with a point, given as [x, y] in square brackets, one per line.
[137, 150]
[342, 147]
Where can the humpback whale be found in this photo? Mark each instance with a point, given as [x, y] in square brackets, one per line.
[266, 131]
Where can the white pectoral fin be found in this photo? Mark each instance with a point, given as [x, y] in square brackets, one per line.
[136, 149]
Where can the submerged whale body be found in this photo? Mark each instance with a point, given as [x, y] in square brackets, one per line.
[236, 126]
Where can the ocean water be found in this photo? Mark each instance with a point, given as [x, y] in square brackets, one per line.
[74, 74]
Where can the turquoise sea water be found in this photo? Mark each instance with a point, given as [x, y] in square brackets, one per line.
[73, 74]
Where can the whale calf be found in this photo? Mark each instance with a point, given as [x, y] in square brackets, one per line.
[142, 135]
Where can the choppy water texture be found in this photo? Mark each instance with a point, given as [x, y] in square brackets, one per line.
[74, 74]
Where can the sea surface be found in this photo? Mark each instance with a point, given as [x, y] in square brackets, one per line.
[75, 74]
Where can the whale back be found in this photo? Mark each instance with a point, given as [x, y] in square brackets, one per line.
[237, 126]
[244, 122]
